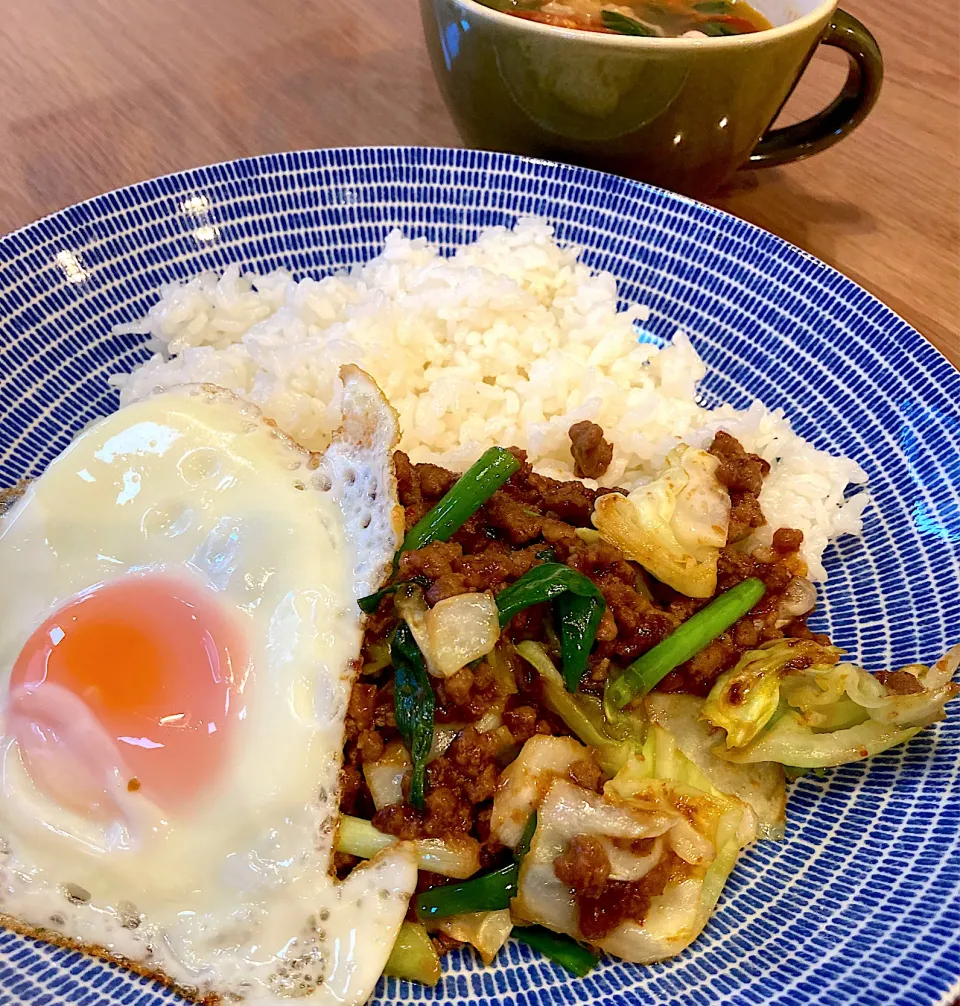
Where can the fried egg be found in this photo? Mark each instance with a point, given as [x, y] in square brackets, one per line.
[178, 641]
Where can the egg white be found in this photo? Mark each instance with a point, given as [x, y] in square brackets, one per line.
[232, 896]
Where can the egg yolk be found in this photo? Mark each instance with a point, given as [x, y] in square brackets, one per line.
[137, 685]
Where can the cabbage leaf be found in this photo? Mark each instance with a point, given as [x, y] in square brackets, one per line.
[613, 740]
[525, 781]
[674, 526]
[825, 715]
[486, 931]
[761, 786]
[745, 698]
[702, 834]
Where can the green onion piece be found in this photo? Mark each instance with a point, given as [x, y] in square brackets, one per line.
[579, 618]
[512, 5]
[624, 25]
[451, 857]
[546, 554]
[490, 892]
[523, 846]
[716, 28]
[413, 704]
[569, 954]
[686, 641]
[579, 606]
[474, 487]
[371, 602]
[543, 583]
[713, 7]
[414, 956]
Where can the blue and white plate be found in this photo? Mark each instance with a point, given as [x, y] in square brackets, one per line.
[861, 903]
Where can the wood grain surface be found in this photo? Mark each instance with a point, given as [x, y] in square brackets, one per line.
[103, 93]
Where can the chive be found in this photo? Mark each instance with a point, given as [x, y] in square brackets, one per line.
[371, 602]
[511, 5]
[623, 25]
[716, 28]
[569, 954]
[579, 618]
[474, 487]
[413, 704]
[523, 846]
[684, 642]
[543, 583]
[578, 605]
[490, 892]
[546, 555]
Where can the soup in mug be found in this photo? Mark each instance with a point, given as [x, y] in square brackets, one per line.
[652, 18]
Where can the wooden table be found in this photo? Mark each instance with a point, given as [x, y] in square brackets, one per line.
[101, 93]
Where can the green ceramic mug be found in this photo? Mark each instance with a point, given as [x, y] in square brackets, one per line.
[685, 113]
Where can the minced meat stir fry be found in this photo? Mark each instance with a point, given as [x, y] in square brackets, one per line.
[531, 757]
[531, 520]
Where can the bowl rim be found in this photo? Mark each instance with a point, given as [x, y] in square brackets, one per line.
[602, 40]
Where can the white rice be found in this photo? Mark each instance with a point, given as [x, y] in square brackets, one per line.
[509, 342]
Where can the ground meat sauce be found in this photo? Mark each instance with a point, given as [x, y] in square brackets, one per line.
[530, 520]
[899, 682]
[583, 866]
[591, 453]
[621, 900]
[743, 475]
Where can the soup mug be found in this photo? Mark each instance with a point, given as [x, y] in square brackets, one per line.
[684, 113]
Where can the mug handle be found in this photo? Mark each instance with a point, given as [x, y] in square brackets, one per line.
[845, 113]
